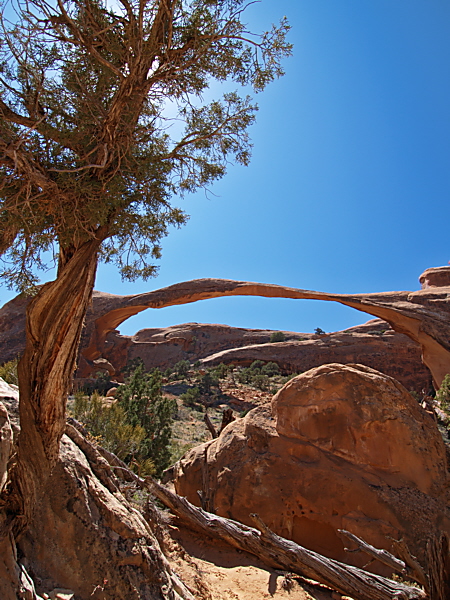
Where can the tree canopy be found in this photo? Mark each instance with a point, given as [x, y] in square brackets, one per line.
[104, 122]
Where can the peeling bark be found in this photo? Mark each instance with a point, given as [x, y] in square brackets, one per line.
[55, 319]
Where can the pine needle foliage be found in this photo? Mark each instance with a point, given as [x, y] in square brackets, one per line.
[89, 92]
[144, 405]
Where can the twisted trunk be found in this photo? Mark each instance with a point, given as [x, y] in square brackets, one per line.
[54, 323]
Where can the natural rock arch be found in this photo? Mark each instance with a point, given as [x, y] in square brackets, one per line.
[423, 315]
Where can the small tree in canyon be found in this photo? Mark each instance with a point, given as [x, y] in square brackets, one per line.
[89, 165]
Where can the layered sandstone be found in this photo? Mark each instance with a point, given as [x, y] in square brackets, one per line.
[422, 315]
[343, 447]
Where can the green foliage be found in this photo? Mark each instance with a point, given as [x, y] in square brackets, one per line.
[319, 331]
[222, 370]
[145, 406]
[109, 425]
[443, 395]
[207, 382]
[88, 93]
[191, 397]
[8, 371]
[277, 336]
[270, 369]
[259, 374]
[181, 369]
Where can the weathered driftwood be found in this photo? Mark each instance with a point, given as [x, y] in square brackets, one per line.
[385, 557]
[210, 426]
[284, 554]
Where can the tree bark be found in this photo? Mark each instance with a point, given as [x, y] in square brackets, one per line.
[54, 323]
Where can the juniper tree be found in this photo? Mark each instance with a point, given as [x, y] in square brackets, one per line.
[90, 167]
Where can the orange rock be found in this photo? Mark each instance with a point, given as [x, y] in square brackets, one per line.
[344, 447]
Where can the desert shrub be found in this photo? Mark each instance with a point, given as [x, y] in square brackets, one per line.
[277, 336]
[144, 405]
[191, 397]
[222, 370]
[207, 382]
[181, 369]
[8, 371]
[319, 331]
[256, 365]
[259, 374]
[443, 395]
[261, 381]
[108, 424]
[270, 369]
[100, 384]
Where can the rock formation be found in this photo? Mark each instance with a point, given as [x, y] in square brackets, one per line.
[343, 447]
[422, 315]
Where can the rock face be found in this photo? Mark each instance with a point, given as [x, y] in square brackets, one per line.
[106, 544]
[374, 344]
[435, 277]
[343, 447]
[423, 315]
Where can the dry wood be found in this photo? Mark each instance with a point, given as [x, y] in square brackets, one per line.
[227, 418]
[415, 570]
[438, 558]
[386, 558]
[284, 554]
[210, 426]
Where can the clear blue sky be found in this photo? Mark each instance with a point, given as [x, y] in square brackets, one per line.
[348, 188]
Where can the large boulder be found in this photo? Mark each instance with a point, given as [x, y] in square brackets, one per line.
[342, 447]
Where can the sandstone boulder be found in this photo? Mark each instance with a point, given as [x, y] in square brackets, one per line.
[343, 447]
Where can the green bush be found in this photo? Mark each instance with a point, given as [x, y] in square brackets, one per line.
[443, 395]
[270, 369]
[101, 384]
[191, 397]
[207, 382]
[222, 370]
[108, 425]
[181, 369]
[144, 405]
[319, 331]
[277, 336]
[8, 371]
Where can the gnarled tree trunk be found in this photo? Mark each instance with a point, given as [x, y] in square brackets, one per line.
[53, 329]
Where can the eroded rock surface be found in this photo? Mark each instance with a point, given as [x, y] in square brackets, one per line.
[94, 542]
[343, 447]
[424, 315]
[85, 536]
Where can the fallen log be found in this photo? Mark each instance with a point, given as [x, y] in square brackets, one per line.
[275, 551]
[286, 555]
[400, 566]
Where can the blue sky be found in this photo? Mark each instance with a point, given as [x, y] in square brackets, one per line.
[349, 182]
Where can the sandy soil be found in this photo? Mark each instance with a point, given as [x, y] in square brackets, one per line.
[214, 571]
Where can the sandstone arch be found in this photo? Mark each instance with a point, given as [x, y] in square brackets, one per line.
[422, 315]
